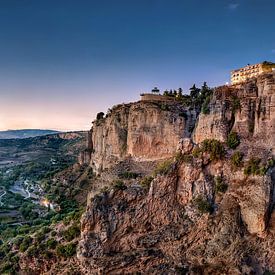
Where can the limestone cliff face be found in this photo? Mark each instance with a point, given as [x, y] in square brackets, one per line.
[142, 130]
[161, 231]
[184, 223]
[248, 109]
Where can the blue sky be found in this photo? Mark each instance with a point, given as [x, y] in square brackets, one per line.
[62, 61]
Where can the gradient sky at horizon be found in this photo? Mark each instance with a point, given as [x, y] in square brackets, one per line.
[62, 61]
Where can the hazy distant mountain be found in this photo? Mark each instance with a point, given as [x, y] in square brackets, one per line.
[25, 133]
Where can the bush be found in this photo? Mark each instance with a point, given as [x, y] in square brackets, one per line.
[203, 205]
[233, 140]
[119, 185]
[252, 167]
[66, 250]
[163, 168]
[71, 233]
[237, 159]
[196, 152]
[205, 106]
[220, 186]
[51, 243]
[25, 244]
[214, 147]
[146, 181]
[33, 251]
[128, 175]
[183, 157]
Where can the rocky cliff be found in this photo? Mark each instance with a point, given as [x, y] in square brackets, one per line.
[176, 190]
[208, 210]
[246, 108]
[145, 130]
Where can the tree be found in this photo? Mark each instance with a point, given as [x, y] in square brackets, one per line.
[194, 92]
[100, 115]
[180, 92]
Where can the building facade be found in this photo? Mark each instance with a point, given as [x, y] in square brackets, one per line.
[250, 71]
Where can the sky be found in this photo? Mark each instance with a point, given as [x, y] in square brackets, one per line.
[63, 61]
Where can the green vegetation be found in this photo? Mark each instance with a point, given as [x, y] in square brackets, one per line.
[237, 159]
[203, 205]
[51, 243]
[67, 250]
[163, 168]
[254, 167]
[220, 185]
[119, 185]
[233, 140]
[128, 175]
[146, 181]
[72, 232]
[198, 97]
[236, 104]
[213, 147]
[205, 106]
[25, 243]
[187, 158]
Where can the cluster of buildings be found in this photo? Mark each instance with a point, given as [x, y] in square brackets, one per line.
[250, 71]
[237, 76]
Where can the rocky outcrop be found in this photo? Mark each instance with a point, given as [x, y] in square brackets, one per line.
[184, 222]
[248, 109]
[142, 130]
[163, 231]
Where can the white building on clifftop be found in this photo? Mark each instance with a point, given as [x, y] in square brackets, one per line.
[250, 71]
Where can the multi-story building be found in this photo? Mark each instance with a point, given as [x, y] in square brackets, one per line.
[250, 71]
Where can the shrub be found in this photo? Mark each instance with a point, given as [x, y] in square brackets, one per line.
[71, 233]
[271, 163]
[183, 157]
[119, 185]
[203, 205]
[205, 106]
[214, 148]
[25, 244]
[66, 250]
[237, 159]
[233, 140]
[128, 175]
[146, 181]
[196, 152]
[33, 251]
[236, 104]
[252, 167]
[163, 168]
[99, 116]
[220, 186]
[39, 237]
[51, 243]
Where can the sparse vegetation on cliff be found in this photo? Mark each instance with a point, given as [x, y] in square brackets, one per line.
[233, 140]
[164, 167]
[203, 205]
[237, 159]
[220, 185]
[146, 181]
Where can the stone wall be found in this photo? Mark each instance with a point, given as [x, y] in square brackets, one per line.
[153, 97]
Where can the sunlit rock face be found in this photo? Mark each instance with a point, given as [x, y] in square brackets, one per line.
[247, 108]
[142, 130]
[160, 230]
